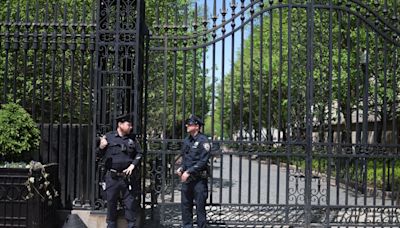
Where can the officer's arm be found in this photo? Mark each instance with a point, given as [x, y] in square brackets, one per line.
[202, 163]
[183, 151]
[102, 146]
[139, 153]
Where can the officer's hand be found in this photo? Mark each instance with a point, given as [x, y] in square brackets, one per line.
[185, 176]
[128, 171]
[103, 142]
[179, 171]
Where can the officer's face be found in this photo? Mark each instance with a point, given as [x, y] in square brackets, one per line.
[125, 127]
[192, 128]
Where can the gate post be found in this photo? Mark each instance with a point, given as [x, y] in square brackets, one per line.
[137, 87]
[118, 73]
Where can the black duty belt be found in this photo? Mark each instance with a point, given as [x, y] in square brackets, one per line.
[115, 173]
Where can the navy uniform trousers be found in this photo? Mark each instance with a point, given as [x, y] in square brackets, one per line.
[196, 190]
[115, 186]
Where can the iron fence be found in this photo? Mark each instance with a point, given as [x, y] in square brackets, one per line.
[300, 100]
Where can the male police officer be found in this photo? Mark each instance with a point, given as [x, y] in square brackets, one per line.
[122, 154]
[193, 173]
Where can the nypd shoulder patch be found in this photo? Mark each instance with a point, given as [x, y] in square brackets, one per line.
[207, 146]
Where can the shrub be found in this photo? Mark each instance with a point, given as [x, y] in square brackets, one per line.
[18, 131]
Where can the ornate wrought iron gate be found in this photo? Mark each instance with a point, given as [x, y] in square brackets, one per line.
[301, 104]
[300, 98]
[120, 35]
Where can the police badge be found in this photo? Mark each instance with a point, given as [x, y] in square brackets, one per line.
[207, 146]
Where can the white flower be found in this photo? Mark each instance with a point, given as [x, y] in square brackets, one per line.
[32, 180]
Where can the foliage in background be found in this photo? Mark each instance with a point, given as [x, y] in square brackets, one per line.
[177, 81]
[18, 131]
[33, 50]
[271, 92]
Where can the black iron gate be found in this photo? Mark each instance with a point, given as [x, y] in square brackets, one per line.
[301, 103]
[300, 99]
[118, 82]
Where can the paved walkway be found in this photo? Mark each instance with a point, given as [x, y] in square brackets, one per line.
[245, 190]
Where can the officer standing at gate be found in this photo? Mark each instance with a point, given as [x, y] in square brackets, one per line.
[121, 153]
[194, 173]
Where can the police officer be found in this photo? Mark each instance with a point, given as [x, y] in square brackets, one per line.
[194, 172]
[122, 154]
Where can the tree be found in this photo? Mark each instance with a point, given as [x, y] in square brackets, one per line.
[177, 85]
[339, 39]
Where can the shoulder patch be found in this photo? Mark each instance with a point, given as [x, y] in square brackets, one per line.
[207, 146]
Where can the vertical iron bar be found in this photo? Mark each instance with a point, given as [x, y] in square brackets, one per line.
[7, 48]
[395, 132]
[347, 116]
[213, 97]
[330, 131]
[375, 140]
[280, 74]
[242, 18]
[61, 139]
[309, 103]
[35, 47]
[365, 116]
[222, 100]
[269, 124]
[164, 125]
[260, 91]
[53, 75]
[138, 67]
[289, 104]
[174, 95]
[72, 154]
[195, 26]
[250, 127]
[203, 78]
[222, 95]
[145, 118]
[233, 7]
[26, 49]
[385, 184]
[349, 86]
[44, 49]
[184, 93]
[95, 75]
[175, 78]
[357, 93]
[16, 47]
[83, 48]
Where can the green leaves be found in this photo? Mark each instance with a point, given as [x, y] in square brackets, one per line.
[18, 131]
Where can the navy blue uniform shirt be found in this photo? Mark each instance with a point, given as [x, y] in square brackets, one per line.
[195, 154]
[121, 151]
